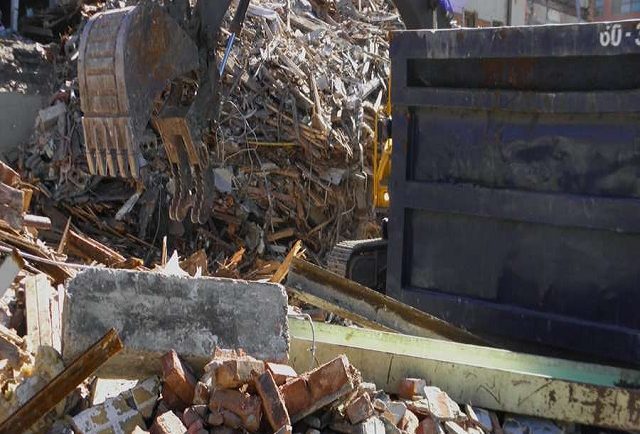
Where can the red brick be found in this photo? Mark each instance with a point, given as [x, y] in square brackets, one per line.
[178, 377]
[318, 388]
[215, 418]
[244, 405]
[297, 396]
[429, 426]
[281, 373]
[410, 387]
[220, 355]
[168, 423]
[202, 393]
[171, 400]
[234, 373]
[196, 426]
[230, 419]
[359, 409]
[191, 415]
[272, 402]
[330, 377]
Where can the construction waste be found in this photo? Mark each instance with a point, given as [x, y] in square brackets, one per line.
[237, 393]
[300, 94]
[233, 393]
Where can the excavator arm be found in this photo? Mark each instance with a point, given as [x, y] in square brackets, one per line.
[152, 65]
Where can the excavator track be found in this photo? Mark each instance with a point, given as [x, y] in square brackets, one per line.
[361, 260]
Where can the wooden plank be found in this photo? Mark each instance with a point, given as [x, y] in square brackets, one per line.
[44, 292]
[372, 305]
[336, 309]
[63, 384]
[58, 272]
[63, 239]
[195, 261]
[38, 293]
[36, 221]
[12, 216]
[88, 248]
[283, 269]
[279, 235]
[490, 378]
[11, 197]
[8, 175]
[56, 319]
[31, 312]
[9, 269]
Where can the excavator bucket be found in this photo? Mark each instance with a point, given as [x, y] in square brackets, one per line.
[127, 57]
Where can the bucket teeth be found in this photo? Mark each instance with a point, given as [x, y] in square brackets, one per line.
[117, 99]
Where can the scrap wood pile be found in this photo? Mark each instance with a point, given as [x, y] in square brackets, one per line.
[293, 154]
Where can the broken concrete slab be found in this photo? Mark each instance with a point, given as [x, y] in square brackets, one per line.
[154, 313]
[114, 415]
[121, 413]
[168, 423]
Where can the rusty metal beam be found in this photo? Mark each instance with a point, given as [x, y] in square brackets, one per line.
[491, 378]
[63, 384]
[368, 304]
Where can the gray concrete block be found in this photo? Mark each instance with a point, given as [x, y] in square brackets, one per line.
[17, 118]
[154, 313]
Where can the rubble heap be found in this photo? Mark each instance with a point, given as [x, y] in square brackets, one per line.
[292, 155]
[238, 393]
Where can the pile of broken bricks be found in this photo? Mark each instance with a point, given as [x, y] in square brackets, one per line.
[238, 393]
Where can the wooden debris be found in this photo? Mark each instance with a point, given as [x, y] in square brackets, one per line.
[12, 348]
[8, 176]
[195, 262]
[63, 384]
[11, 200]
[88, 248]
[39, 300]
[294, 135]
[36, 221]
[283, 269]
[9, 269]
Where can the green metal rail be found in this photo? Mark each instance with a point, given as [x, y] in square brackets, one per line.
[491, 378]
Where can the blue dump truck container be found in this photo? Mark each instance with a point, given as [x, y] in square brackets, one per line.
[515, 190]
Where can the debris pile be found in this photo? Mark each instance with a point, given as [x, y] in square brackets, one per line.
[234, 393]
[238, 393]
[292, 153]
[24, 66]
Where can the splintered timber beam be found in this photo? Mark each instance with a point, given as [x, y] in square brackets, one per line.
[63, 384]
[341, 296]
[485, 377]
